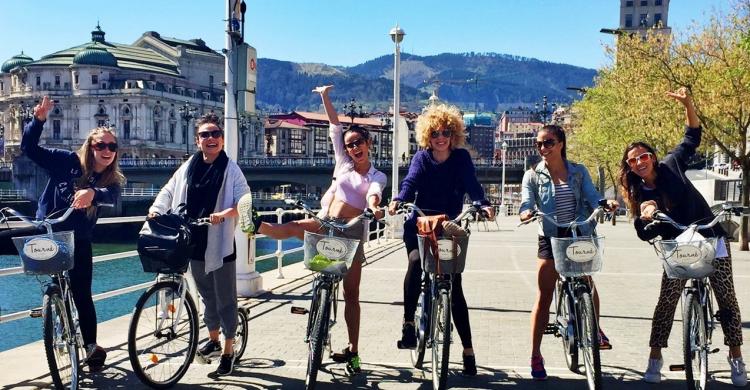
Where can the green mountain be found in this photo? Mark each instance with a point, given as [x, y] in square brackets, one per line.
[486, 81]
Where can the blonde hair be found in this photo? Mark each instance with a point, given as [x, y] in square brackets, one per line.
[111, 175]
[441, 117]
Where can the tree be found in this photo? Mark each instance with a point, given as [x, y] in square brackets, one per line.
[627, 102]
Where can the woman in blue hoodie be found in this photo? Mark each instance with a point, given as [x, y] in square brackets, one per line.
[81, 180]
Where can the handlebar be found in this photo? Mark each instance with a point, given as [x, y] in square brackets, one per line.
[727, 211]
[537, 215]
[473, 210]
[367, 214]
[7, 212]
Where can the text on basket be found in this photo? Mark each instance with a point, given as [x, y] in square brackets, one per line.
[687, 254]
[445, 250]
[331, 248]
[581, 251]
[40, 249]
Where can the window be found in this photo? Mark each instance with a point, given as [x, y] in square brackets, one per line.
[56, 129]
[2, 86]
[321, 142]
[156, 130]
[643, 20]
[657, 19]
[38, 81]
[629, 20]
[126, 129]
[171, 131]
[657, 2]
[296, 142]
[75, 78]
[644, 3]
[629, 3]
[57, 80]
[210, 81]
[94, 79]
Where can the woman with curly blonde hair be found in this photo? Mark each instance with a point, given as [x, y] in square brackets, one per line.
[439, 176]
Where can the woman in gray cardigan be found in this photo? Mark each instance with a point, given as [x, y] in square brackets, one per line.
[210, 185]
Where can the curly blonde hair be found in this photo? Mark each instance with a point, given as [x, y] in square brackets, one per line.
[441, 117]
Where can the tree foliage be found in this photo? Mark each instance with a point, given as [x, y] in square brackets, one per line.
[627, 102]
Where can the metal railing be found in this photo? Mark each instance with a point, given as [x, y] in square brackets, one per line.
[279, 255]
[296, 162]
[12, 194]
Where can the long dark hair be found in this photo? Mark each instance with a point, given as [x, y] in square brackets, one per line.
[631, 183]
[559, 134]
[359, 130]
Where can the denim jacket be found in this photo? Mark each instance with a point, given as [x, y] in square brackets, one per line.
[538, 193]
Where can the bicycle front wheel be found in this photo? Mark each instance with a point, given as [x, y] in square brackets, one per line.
[566, 326]
[318, 338]
[163, 335]
[60, 343]
[589, 341]
[422, 326]
[441, 340]
[240, 337]
[694, 343]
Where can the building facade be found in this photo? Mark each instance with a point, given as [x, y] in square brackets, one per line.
[641, 15]
[138, 89]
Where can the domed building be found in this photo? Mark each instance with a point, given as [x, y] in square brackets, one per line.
[138, 89]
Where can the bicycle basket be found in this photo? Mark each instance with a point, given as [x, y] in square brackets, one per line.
[46, 254]
[577, 256]
[451, 254]
[687, 259]
[333, 255]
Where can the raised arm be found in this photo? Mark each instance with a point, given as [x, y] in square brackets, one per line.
[333, 116]
[50, 159]
[692, 139]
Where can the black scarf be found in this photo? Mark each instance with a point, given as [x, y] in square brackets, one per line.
[203, 191]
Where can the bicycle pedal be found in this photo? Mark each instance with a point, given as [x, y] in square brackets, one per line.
[605, 347]
[35, 313]
[714, 350]
[299, 310]
[676, 367]
[552, 329]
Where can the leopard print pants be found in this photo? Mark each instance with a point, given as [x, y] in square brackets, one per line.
[723, 287]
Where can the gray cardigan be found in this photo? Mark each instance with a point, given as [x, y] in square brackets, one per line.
[220, 236]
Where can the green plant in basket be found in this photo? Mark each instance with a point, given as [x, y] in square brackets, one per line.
[320, 262]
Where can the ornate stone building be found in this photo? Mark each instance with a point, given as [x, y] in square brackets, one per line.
[138, 89]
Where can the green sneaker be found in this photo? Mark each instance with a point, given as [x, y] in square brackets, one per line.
[248, 215]
[354, 365]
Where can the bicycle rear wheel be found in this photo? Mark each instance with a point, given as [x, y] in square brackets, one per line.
[422, 326]
[441, 340]
[240, 338]
[694, 340]
[60, 343]
[163, 335]
[565, 323]
[589, 341]
[318, 337]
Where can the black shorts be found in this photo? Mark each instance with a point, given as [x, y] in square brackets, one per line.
[545, 244]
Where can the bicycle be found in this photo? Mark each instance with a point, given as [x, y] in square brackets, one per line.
[163, 331]
[432, 319]
[330, 257]
[576, 259]
[52, 253]
[692, 258]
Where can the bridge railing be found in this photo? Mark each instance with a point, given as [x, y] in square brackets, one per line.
[12, 194]
[296, 162]
[279, 255]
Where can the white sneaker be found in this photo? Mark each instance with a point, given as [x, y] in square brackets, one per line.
[739, 374]
[653, 372]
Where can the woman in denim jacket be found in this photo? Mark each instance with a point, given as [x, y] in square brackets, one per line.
[562, 188]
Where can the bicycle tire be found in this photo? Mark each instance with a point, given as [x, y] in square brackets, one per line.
[318, 338]
[59, 342]
[589, 341]
[693, 339]
[421, 326]
[240, 338]
[441, 340]
[153, 317]
[566, 326]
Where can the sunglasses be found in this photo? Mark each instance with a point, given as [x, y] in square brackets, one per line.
[437, 133]
[355, 144]
[212, 134]
[547, 143]
[100, 146]
[645, 157]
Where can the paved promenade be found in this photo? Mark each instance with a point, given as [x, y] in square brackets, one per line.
[500, 287]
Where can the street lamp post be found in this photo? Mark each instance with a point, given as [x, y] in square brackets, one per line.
[544, 114]
[397, 35]
[503, 207]
[350, 110]
[187, 112]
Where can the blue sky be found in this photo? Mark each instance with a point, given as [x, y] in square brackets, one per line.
[341, 32]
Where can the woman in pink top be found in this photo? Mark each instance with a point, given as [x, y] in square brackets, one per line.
[357, 185]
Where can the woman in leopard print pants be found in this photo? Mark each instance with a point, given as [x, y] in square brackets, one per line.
[649, 185]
